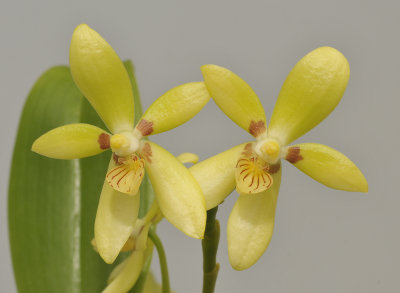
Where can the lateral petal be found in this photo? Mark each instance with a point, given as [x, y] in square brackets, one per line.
[102, 78]
[216, 175]
[115, 220]
[175, 107]
[72, 141]
[327, 166]
[235, 98]
[178, 194]
[311, 91]
[251, 224]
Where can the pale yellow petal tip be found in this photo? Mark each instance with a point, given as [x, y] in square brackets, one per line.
[363, 186]
[323, 55]
[80, 30]
[82, 26]
[209, 67]
[195, 230]
[195, 234]
[241, 263]
[35, 146]
[108, 258]
[188, 158]
[238, 266]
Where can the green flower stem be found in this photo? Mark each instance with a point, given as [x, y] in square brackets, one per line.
[210, 248]
[163, 260]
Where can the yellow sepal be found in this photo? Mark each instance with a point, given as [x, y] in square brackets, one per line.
[327, 166]
[311, 91]
[115, 220]
[178, 194]
[102, 78]
[235, 98]
[175, 107]
[251, 224]
[72, 141]
[216, 175]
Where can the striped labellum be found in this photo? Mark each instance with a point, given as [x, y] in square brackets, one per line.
[127, 175]
[252, 173]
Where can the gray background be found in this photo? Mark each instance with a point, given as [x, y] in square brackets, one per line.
[325, 240]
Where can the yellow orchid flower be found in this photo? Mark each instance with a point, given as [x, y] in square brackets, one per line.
[100, 75]
[311, 91]
[125, 274]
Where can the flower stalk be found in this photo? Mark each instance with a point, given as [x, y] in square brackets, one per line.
[163, 261]
[210, 248]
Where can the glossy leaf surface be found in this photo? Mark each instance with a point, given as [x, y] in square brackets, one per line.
[52, 203]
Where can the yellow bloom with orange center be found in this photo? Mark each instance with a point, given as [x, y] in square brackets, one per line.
[102, 78]
[311, 91]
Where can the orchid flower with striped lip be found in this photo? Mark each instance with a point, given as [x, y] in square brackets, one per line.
[311, 91]
[102, 78]
[125, 274]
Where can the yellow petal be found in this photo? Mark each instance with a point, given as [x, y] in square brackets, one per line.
[250, 226]
[174, 108]
[311, 91]
[127, 175]
[102, 78]
[253, 175]
[72, 141]
[235, 98]
[216, 175]
[188, 158]
[127, 273]
[178, 194]
[327, 166]
[115, 220]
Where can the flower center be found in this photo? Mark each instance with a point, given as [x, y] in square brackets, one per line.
[269, 150]
[124, 143]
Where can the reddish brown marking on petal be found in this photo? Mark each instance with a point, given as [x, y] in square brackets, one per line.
[257, 128]
[258, 181]
[248, 150]
[117, 174]
[293, 155]
[127, 172]
[104, 141]
[252, 180]
[116, 169]
[145, 127]
[272, 169]
[146, 152]
[116, 159]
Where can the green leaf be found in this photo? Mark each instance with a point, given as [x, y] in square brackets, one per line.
[52, 203]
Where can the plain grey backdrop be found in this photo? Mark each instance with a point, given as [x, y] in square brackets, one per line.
[325, 240]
